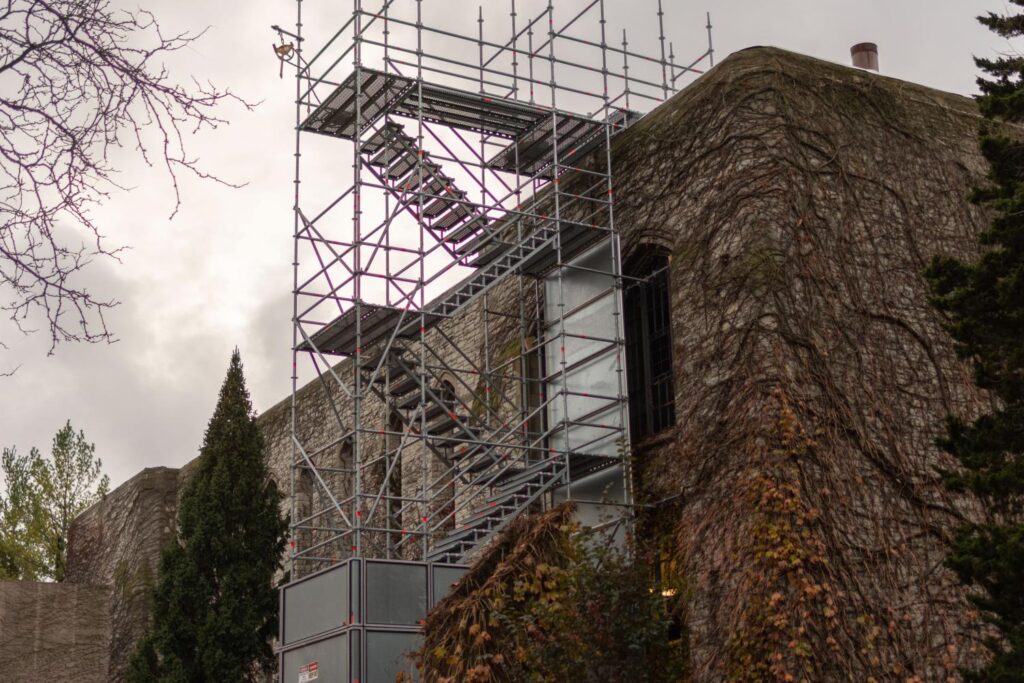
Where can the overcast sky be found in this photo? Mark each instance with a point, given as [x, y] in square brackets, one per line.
[219, 275]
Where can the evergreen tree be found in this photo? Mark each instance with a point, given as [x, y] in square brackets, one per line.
[215, 603]
[984, 301]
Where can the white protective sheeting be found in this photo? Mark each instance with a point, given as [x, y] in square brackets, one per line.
[582, 298]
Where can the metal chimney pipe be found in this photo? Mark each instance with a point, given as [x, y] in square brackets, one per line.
[865, 56]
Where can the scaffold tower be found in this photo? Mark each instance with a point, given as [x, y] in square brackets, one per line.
[458, 282]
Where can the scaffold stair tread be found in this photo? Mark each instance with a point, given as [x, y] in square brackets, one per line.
[383, 136]
[368, 364]
[519, 494]
[407, 383]
[525, 475]
[456, 539]
[425, 189]
[511, 497]
[447, 423]
[481, 461]
[478, 524]
[467, 230]
[388, 154]
[486, 239]
[403, 165]
[435, 183]
[456, 214]
[375, 322]
[483, 523]
[488, 255]
[433, 411]
[430, 181]
[470, 229]
[450, 196]
[494, 272]
[412, 400]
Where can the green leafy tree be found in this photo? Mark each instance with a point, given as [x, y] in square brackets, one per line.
[21, 547]
[215, 603]
[43, 496]
[984, 302]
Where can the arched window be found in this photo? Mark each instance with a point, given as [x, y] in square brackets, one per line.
[443, 504]
[648, 323]
[392, 488]
[446, 392]
[303, 506]
[394, 455]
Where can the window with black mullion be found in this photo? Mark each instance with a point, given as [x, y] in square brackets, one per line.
[649, 350]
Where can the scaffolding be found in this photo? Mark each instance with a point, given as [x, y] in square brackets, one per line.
[460, 301]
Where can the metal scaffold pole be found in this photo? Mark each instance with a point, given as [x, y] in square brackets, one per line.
[458, 300]
[294, 516]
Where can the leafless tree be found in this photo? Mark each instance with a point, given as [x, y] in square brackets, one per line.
[80, 79]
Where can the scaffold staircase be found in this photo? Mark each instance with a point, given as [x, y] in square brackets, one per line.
[421, 187]
[504, 469]
[510, 478]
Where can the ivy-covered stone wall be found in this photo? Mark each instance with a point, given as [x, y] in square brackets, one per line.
[800, 201]
[54, 632]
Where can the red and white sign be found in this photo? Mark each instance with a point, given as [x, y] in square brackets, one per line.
[309, 672]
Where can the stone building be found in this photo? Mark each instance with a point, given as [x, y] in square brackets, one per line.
[792, 205]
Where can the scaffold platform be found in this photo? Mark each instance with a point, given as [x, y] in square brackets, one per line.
[369, 95]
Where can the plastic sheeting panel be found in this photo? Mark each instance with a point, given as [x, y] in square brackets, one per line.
[606, 485]
[584, 302]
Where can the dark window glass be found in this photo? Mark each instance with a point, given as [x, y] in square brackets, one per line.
[649, 349]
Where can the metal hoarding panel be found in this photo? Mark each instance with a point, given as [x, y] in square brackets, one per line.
[444, 577]
[387, 655]
[317, 604]
[396, 593]
[323, 661]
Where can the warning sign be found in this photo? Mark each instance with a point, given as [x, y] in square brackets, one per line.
[309, 672]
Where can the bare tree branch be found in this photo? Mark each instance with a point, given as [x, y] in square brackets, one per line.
[78, 79]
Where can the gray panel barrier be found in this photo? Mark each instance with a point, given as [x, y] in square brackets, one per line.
[444, 577]
[387, 655]
[325, 661]
[358, 621]
[316, 605]
[396, 593]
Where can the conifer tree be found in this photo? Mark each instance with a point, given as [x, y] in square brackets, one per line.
[215, 603]
[984, 302]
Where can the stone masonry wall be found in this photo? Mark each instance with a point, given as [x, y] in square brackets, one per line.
[117, 543]
[54, 632]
